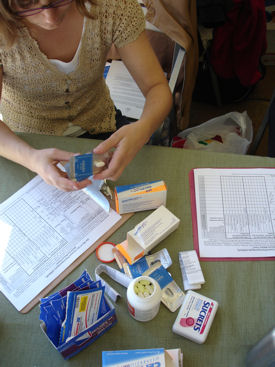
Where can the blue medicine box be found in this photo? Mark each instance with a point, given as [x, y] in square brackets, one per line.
[77, 343]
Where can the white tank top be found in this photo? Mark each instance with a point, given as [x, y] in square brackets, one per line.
[68, 67]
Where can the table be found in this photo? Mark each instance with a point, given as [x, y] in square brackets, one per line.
[244, 290]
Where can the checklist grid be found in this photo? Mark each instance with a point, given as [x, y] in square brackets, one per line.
[246, 206]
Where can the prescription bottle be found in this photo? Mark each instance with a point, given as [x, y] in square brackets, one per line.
[143, 298]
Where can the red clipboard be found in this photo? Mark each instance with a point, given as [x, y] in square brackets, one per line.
[195, 225]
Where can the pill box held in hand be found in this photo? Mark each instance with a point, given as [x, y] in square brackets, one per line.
[195, 317]
[141, 196]
[85, 165]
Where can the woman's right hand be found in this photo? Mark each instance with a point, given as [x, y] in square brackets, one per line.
[41, 161]
[44, 162]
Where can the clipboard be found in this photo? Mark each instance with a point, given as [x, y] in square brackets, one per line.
[195, 223]
[77, 262]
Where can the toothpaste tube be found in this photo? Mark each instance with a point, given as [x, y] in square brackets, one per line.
[141, 196]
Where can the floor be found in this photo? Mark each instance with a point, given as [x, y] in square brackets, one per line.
[256, 105]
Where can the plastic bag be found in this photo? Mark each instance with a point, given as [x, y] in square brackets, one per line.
[229, 133]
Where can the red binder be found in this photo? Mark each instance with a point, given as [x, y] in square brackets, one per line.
[195, 227]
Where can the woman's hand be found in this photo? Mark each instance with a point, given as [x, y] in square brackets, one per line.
[144, 67]
[128, 140]
[44, 163]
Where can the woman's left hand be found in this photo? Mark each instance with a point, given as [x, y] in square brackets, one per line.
[144, 67]
[128, 140]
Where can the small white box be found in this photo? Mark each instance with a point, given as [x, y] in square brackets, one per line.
[141, 196]
[148, 233]
[195, 317]
[191, 270]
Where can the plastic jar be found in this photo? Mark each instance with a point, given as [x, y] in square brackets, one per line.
[143, 297]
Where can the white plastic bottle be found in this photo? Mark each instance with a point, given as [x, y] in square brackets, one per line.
[143, 297]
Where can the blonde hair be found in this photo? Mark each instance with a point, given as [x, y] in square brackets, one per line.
[10, 22]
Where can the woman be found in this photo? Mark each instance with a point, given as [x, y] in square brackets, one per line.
[52, 56]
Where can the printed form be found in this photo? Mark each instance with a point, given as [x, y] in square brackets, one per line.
[124, 91]
[235, 212]
[43, 231]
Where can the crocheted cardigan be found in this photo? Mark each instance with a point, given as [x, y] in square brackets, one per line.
[38, 98]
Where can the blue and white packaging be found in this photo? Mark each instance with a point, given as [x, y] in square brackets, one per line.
[172, 296]
[85, 165]
[134, 358]
[139, 267]
[53, 311]
[83, 309]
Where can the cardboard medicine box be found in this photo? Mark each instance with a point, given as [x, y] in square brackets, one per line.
[148, 234]
[87, 336]
[141, 196]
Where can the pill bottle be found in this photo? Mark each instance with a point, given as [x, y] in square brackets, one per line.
[143, 298]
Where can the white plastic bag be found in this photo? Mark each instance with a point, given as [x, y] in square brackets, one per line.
[230, 133]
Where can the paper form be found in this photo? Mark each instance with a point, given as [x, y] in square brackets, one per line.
[43, 231]
[124, 91]
[235, 212]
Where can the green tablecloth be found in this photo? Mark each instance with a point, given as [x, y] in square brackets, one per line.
[244, 290]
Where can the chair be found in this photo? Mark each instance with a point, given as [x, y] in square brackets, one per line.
[269, 120]
[171, 29]
[165, 133]
[178, 20]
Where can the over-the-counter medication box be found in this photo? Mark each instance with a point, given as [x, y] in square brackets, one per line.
[195, 317]
[134, 358]
[89, 335]
[191, 270]
[148, 233]
[172, 296]
[85, 165]
[139, 197]
[76, 316]
[139, 267]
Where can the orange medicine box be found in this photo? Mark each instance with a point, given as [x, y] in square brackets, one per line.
[141, 196]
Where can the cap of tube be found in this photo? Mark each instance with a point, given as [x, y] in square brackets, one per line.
[104, 252]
